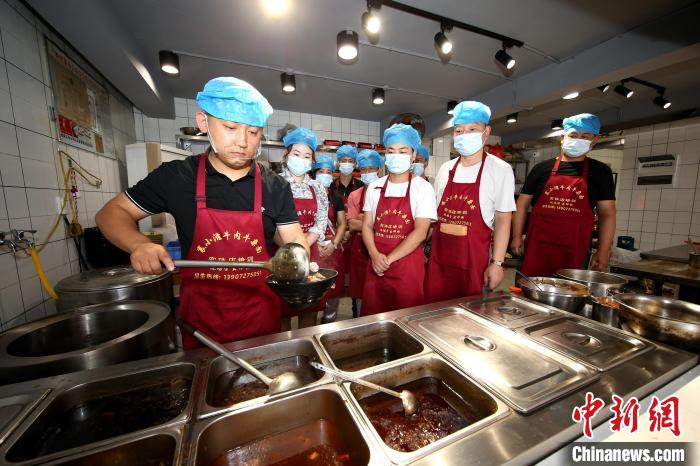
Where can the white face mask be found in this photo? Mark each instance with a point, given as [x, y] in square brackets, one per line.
[367, 178]
[325, 179]
[398, 163]
[346, 168]
[211, 142]
[298, 166]
[574, 147]
[468, 143]
[417, 169]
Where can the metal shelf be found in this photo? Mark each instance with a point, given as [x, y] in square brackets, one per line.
[181, 138]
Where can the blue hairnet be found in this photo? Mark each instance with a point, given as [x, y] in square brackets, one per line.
[471, 111]
[346, 151]
[369, 158]
[422, 150]
[583, 123]
[324, 161]
[233, 99]
[301, 136]
[402, 134]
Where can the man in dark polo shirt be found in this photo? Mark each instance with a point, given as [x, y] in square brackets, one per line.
[564, 193]
[226, 207]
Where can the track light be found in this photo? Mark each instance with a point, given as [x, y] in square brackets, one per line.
[348, 45]
[443, 43]
[289, 85]
[605, 88]
[624, 91]
[504, 59]
[451, 107]
[371, 22]
[557, 124]
[378, 96]
[571, 95]
[512, 118]
[169, 63]
[662, 102]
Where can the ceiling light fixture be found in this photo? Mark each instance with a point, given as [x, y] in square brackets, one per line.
[451, 107]
[378, 96]
[276, 8]
[370, 21]
[169, 63]
[442, 43]
[348, 45]
[662, 102]
[289, 85]
[623, 90]
[604, 88]
[557, 124]
[504, 59]
[571, 95]
[512, 118]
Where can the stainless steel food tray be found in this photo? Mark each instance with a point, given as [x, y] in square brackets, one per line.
[511, 311]
[522, 372]
[601, 346]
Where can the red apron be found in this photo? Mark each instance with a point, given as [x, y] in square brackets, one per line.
[460, 244]
[560, 226]
[402, 285]
[335, 261]
[339, 189]
[227, 304]
[306, 211]
[358, 258]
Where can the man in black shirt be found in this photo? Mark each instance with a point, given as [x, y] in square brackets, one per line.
[563, 193]
[171, 188]
[227, 207]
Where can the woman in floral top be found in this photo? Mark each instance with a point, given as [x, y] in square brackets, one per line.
[310, 200]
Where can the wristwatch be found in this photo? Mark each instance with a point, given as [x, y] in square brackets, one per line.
[498, 263]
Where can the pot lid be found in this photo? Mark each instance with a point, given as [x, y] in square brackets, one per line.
[107, 278]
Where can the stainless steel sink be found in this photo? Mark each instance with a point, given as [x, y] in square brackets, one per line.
[228, 386]
[299, 424]
[369, 345]
[431, 375]
[93, 414]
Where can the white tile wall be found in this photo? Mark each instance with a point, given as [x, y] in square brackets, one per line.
[30, 179]
[325, 126]
[668, 213]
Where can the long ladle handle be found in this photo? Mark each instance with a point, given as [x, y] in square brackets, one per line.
[210, 264]
[528, 279]
[352, 379]
[211, 344]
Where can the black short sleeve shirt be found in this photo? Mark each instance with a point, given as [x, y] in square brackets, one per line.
[171, 188]
[601, 186]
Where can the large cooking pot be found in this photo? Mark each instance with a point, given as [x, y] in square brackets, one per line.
[667, 320]
[112, 284]
[87, 338]
[600, 283]
[563, 294]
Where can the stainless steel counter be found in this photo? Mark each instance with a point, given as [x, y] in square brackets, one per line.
[661, 270]
[505, 437]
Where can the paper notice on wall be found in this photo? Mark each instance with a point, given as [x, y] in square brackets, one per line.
[82, 105]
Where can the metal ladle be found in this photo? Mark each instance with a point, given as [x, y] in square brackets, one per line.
[408, 399]
[528, 279]
[282, 383]
[290, 263]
